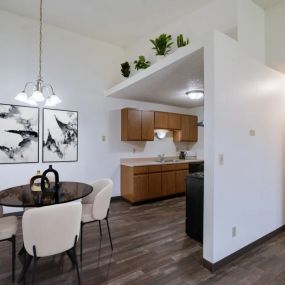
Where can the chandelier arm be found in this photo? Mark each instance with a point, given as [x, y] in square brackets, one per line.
[49, 86]
[27, 84]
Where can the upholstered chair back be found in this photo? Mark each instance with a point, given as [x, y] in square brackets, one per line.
[51, 229]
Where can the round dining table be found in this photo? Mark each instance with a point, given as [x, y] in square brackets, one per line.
[24, 196]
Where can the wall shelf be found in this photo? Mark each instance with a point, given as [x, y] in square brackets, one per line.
[165, 81]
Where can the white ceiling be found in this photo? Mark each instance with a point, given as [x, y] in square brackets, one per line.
[168, 85]
[267, 3]
[119, 22]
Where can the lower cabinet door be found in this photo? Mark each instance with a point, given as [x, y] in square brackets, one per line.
[140, 187]
[180, 180]
[154, 185]
[168, 183]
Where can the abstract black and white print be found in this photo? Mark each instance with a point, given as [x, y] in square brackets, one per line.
[60, 135]
[19, 134]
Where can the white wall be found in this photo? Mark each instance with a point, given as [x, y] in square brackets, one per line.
[248, 190]
[218, 14]
[80, 70]
[275, 40]
[251, 29]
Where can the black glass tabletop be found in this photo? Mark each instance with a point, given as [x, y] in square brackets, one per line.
[23, 196]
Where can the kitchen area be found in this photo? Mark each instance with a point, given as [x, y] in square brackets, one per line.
[150, 179]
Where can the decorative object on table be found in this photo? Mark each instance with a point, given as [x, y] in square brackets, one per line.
[181, 42]
[19, 134]
[35, 182]
[39, 86]
[141, 63]
[162, 44]
[126, 69]
[56, 180]
[60, 135]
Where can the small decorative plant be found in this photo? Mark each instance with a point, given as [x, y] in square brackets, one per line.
[162, 44]
[181, 42]
[141, 63]
[126, 69]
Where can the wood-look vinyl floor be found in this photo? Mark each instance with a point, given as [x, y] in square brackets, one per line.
[151, 248]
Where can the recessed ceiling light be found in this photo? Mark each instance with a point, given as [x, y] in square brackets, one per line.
[195, 94]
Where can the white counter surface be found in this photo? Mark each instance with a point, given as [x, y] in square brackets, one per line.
[132, 162]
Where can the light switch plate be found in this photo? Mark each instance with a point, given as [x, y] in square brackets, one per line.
[103, 138]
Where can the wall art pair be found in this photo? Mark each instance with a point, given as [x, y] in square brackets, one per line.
[19, 135]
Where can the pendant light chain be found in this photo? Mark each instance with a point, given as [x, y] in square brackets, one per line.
[41, 37]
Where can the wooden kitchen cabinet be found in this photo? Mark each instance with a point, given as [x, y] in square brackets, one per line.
[189, 129]
[137, 125]
[174, 121]
[146, 182]
[160, 120]
[141, 187]
[168, 183]
[180, 180]
[154, 185]
[147, 126]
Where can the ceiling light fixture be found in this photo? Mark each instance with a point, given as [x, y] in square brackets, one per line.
[195, 94]
[39, 86]
[161, 134]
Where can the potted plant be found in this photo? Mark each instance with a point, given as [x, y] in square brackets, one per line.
[162, 45]
[141, 63]
[181, 42]
[126, 69]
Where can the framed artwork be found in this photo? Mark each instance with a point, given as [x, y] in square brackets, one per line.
[19, 134]
[60, 135]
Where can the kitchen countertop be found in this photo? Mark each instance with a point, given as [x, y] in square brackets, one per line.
[132, 162]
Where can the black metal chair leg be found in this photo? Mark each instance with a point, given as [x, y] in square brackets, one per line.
[27, 262]
[100, 228]
[35, 265]
[75, 260]
[13, 257]
[70, 255]
[81, 241]
[109, 233]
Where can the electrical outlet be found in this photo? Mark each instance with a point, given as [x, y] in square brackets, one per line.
[234, 231]
[134, 150]
[221, 159]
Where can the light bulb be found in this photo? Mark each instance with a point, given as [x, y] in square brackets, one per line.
[52, 101]
[161, 134]
[195, 94]
[37, 96]
[31, 101]
[22, 97]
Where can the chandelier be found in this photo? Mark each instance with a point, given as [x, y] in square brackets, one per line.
[40, 91]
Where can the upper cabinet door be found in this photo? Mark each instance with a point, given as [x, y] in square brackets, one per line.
[189, 129]
[147, 126]
[193, 121]
[174, 121]
[160, 120]
[131, 125]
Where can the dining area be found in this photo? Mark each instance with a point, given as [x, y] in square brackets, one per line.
[52, 223]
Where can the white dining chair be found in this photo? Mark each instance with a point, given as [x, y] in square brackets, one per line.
[95, 207]
[8, 230]
[51, 230]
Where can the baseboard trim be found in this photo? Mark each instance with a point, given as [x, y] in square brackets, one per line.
[217, 265]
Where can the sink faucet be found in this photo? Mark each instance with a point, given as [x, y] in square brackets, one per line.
[161, 157]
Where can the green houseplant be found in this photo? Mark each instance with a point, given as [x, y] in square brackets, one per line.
[181, 42]
[126, 69]
[162, 44]
[141, 63]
